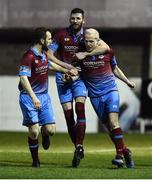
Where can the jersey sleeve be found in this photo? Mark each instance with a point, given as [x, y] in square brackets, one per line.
[53, 46]
[25, 66]
[113, 62]
[56, 41]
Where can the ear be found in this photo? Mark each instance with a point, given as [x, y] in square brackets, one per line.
[42, 41]
[83, 22]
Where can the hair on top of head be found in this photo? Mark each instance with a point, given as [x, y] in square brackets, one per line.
[92, 32]
[40, 33]
[77, 10]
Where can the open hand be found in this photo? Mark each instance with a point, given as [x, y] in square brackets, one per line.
[81, 55]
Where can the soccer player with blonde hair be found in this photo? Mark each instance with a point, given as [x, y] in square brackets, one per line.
[99, 72]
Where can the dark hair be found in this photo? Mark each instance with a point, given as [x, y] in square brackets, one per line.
[77, 10]
[39, 33]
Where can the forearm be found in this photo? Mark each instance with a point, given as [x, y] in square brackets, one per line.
[55, 67]
[26, 85]
[120, 75]
[100, 49]
[57, 61]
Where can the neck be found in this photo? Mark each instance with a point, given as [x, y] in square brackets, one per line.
[38, 48]
[75, 31]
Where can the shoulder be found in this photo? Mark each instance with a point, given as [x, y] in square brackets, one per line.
[61, 32]
[28, 55]
[111, 52]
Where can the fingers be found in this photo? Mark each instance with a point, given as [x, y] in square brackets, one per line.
[66, 78]
[132, 85]
[36, 102]
[37, 105]
[79, 69]
[73, 71]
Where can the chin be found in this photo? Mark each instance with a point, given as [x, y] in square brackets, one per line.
[76, 27]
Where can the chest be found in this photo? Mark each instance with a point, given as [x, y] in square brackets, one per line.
[71, 43]
[94, 62]
[39, 66]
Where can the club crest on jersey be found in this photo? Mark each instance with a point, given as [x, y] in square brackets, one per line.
[36, 61]
[66, 39]
[101, 56]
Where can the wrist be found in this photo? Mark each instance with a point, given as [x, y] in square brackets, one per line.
[128, 83]
[33, 97]
[87, 53]
[65, 71]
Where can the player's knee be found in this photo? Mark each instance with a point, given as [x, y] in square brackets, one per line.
[67, 106]
[51, 129]
[33, 133]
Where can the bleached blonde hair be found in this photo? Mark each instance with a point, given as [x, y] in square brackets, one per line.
[92, 32]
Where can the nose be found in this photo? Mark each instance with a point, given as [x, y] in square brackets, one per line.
[88, 43]
[75, 20]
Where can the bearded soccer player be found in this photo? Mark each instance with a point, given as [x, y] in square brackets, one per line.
[67, 41]
[34, 100]
[99, 73]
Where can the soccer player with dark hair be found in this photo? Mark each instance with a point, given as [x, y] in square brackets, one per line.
[99, 73]
[34, 100]
[67, 42]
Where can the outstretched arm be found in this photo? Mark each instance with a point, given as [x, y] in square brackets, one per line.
[119, 74]
[100, 49]
[51, 56]
[56, 67]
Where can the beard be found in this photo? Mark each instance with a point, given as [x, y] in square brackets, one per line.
[76, 27]
[44, 47]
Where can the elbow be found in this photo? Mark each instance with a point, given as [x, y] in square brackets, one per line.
[50, 54]
[23, 79]
[107, 48]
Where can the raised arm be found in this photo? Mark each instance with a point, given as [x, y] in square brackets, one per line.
[100, 49]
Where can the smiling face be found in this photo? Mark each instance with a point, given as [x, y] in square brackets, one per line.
[76, 21]
[48, 39]
[91, 39]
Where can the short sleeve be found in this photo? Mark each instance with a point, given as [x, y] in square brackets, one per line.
[53, 46]
[25, 66]
[113, 62]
